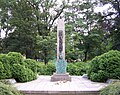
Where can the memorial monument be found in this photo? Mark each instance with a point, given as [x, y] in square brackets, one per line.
[61, 64]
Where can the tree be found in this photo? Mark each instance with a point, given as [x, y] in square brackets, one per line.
[23, 38]
[45, 20]
[46, 47]
[111, 20]
[86, 33]
[5, 16]
[28, 19]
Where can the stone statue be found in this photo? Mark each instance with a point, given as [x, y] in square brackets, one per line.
[60, 64]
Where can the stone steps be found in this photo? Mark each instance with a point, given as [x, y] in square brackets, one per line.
[77, 86]
[60, 92]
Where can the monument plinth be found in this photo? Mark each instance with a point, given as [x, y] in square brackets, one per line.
[61, 64]
[61, 77]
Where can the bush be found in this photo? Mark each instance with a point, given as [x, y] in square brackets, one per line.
[22, 74]
[8, 90]
[41, 68]
[15, 58]
[48, 69]
[31, 64]
[112, 89]
[2, 74]
[105, 67]
[78, 68]
[72, 69]
[98, 77]
[9, 67]
[5, 66]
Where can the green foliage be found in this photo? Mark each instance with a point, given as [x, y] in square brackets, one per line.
[22, 39]
[48, 69]
[22, 74]
[112, 28]
[112, 89]
[2, 74]
[100, 76]
[8, 90]
[5, 66]
[27, 19]
[31, 64]
[40, 68]
[105, 67]
[85, 39]
[13, 65]
[78, 68]
[15, 58]
[46, 47]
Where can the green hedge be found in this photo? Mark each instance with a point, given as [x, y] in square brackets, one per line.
[22, 74]
[112, 89]
[106, 66]
[48, 69]
[78, 68]
[6, 68]
[2, 74]
[8, 90]
[15, 58]
[14, 65]
[31, 64]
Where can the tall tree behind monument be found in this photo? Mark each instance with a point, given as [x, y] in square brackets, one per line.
[28, 19]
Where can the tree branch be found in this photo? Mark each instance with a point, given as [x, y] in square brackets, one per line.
[58, 14]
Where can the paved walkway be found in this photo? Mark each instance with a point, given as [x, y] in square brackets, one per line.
[44, 85]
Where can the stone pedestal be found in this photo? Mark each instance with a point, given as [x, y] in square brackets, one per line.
[60, 77]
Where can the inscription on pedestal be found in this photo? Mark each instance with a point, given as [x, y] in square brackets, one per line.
[60, 41]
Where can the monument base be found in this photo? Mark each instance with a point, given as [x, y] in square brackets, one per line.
[60, 77]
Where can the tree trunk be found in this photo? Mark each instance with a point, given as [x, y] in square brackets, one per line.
[86, 55]
[45, 58]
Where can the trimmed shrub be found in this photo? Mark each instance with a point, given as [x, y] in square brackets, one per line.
[9, 67]
[31, 64]
[112, 89]
[106, 66]
[41, 68]
[5, 66]
[98, 77]
[15, 58]
[2, 74]
[78, 68]
[72, 69]
[8, 90]
[22, 74]
[48, 69]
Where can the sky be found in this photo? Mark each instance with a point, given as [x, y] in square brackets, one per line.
[102, 8]
[97, 9]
